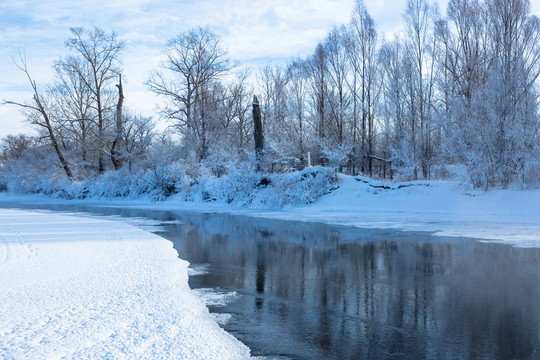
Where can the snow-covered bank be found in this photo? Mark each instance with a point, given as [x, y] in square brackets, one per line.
[81, 287]
[440, 207]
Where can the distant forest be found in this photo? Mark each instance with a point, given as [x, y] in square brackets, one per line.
[452, 95]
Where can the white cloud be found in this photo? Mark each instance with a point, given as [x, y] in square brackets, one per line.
[250, 30]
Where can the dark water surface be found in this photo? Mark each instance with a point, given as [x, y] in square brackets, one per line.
[314, 291]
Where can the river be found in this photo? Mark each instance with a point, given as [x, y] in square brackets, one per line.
[303, 290]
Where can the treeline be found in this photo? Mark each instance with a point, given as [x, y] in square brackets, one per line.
[456, 91]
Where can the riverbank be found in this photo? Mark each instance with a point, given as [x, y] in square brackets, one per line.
[86, 288]
[440, 207]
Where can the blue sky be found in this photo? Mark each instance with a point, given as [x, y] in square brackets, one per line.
[255, 32]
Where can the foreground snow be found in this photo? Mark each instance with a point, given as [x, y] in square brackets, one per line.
[82, 287]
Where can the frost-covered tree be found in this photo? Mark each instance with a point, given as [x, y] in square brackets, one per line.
[274, 96]
[13, 147]
[188, 81]
[137, 135]
[298, 77]
[365, 83]
[464, 61]
[338, 96]
[490, 64]
[74, 108]
[510, 90]
[397, 130]
[420, 74]
[96, 65]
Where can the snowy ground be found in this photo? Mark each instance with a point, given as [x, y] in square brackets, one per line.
[443, 208]
[84, 287]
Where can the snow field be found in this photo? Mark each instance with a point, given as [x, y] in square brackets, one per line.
[86, 288]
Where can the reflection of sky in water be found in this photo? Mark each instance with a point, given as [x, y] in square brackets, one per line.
[308, 290]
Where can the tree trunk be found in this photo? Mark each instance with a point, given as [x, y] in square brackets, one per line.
[258, 133]
[101, 164]
[63, 161]
[116, 156]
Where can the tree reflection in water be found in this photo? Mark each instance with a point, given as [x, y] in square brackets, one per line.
[315, 291]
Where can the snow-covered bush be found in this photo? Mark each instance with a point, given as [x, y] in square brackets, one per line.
[166, 180]
[274, 190]
[111, 184]
[303, 187]
[529, 176]
[221, 160]
[336, 155]
[238, 187]
[278, 158]
[403, 161]
[237, 182]
[34, 171]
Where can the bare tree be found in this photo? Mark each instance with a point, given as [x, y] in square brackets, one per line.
[272, 81]
[13, 146]
[197, 60]
[38, 112]
[318, 66]
[298, 78]
[137, 135]
[419, 16]
[338, 99]
[235, 109]
[100, 52]
[364, 83]
[396, 130]
[73, 104]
